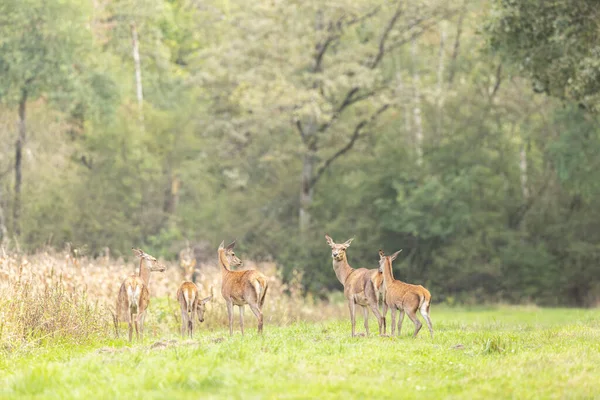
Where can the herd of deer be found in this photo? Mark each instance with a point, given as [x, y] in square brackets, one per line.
[362, 287]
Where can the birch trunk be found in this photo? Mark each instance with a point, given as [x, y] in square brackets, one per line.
[19, 163]
[417, 103]
[138, 71]
[440, 78]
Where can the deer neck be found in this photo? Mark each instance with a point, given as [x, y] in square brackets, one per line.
[388, 276]
[144, 272]
[342, 269]
[224, 263]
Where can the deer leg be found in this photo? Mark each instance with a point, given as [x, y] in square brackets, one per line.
[230, 315]
[242, 319]
[400, 319]
[130, 322]
[184, 322]
[425, 313]
[393, 312]
[352, 308]
[191, 325]
[137, 329]
[380, 321]
[385, 308]
[142, 321]
[366, 317]
[259, 316]
[412, 314]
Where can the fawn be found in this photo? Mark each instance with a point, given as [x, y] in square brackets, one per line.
[187, 296]
[134, 296]
[361, 286]
[241, 287]
[404, 297]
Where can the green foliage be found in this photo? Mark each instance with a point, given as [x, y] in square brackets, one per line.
[241, 100]
[554, 43]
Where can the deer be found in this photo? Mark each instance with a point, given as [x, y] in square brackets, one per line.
[190, 302]
[134, 295]
[362, 286]
[241, 287]
[404, 297]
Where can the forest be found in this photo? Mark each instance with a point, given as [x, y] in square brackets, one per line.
[465, 132]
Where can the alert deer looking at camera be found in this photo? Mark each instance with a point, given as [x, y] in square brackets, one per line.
[241, 287]
[190, 302]
[404, 297]
[134, 296]
[361, 286]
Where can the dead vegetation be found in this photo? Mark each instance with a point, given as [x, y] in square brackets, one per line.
[52, 295]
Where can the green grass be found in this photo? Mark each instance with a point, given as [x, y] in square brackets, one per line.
[482, 353]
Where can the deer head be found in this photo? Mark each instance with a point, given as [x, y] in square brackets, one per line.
[382, 258]
[201, 307]
[234, 261]
[338, 251]
[151, 262]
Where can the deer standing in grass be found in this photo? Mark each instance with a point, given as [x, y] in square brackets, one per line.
[134, 296]
[404, 297]
[190, 302]
[241, 287]
[361, 286]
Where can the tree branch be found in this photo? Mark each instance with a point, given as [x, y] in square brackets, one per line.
[301, 131]
[498, 82]
[335, 30]
[321, 49]
[456, 44]
[385, 35]
[355, 135]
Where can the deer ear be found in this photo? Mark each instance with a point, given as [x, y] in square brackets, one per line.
[329, 240]
[381, 254]
[222, 245]
[347, 242]
[206, 299]
[137, 252]
[393, 256]
[231, 245]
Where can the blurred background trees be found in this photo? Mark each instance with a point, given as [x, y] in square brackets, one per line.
[464, 132]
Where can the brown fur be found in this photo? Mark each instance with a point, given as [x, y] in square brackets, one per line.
[241, 287]
[134, 296]
[361, 286]
[189, 301]
[404, 297]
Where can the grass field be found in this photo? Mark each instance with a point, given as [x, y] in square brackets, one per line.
[502, 352]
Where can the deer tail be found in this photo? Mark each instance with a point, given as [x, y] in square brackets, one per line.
[189, 297]
[261, 286]
[133, 297]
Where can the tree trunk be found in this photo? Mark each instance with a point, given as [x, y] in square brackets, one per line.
[18, 164]
[171, 194]
[3, 230]
[306, 193]
[138, 72]
[417, 104]
[523, 168]
[440, 78]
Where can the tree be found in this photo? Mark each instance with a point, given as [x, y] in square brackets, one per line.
[321, 75]
[41, 47]
[554, 43]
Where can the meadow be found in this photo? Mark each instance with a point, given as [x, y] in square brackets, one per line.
[306, 351]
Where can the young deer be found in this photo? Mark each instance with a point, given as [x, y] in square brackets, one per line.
[361, 286]
[404, 297]
[187, 296]
[134, 296]
[241, 287]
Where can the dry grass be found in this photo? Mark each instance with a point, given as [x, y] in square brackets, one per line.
[54, 295]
